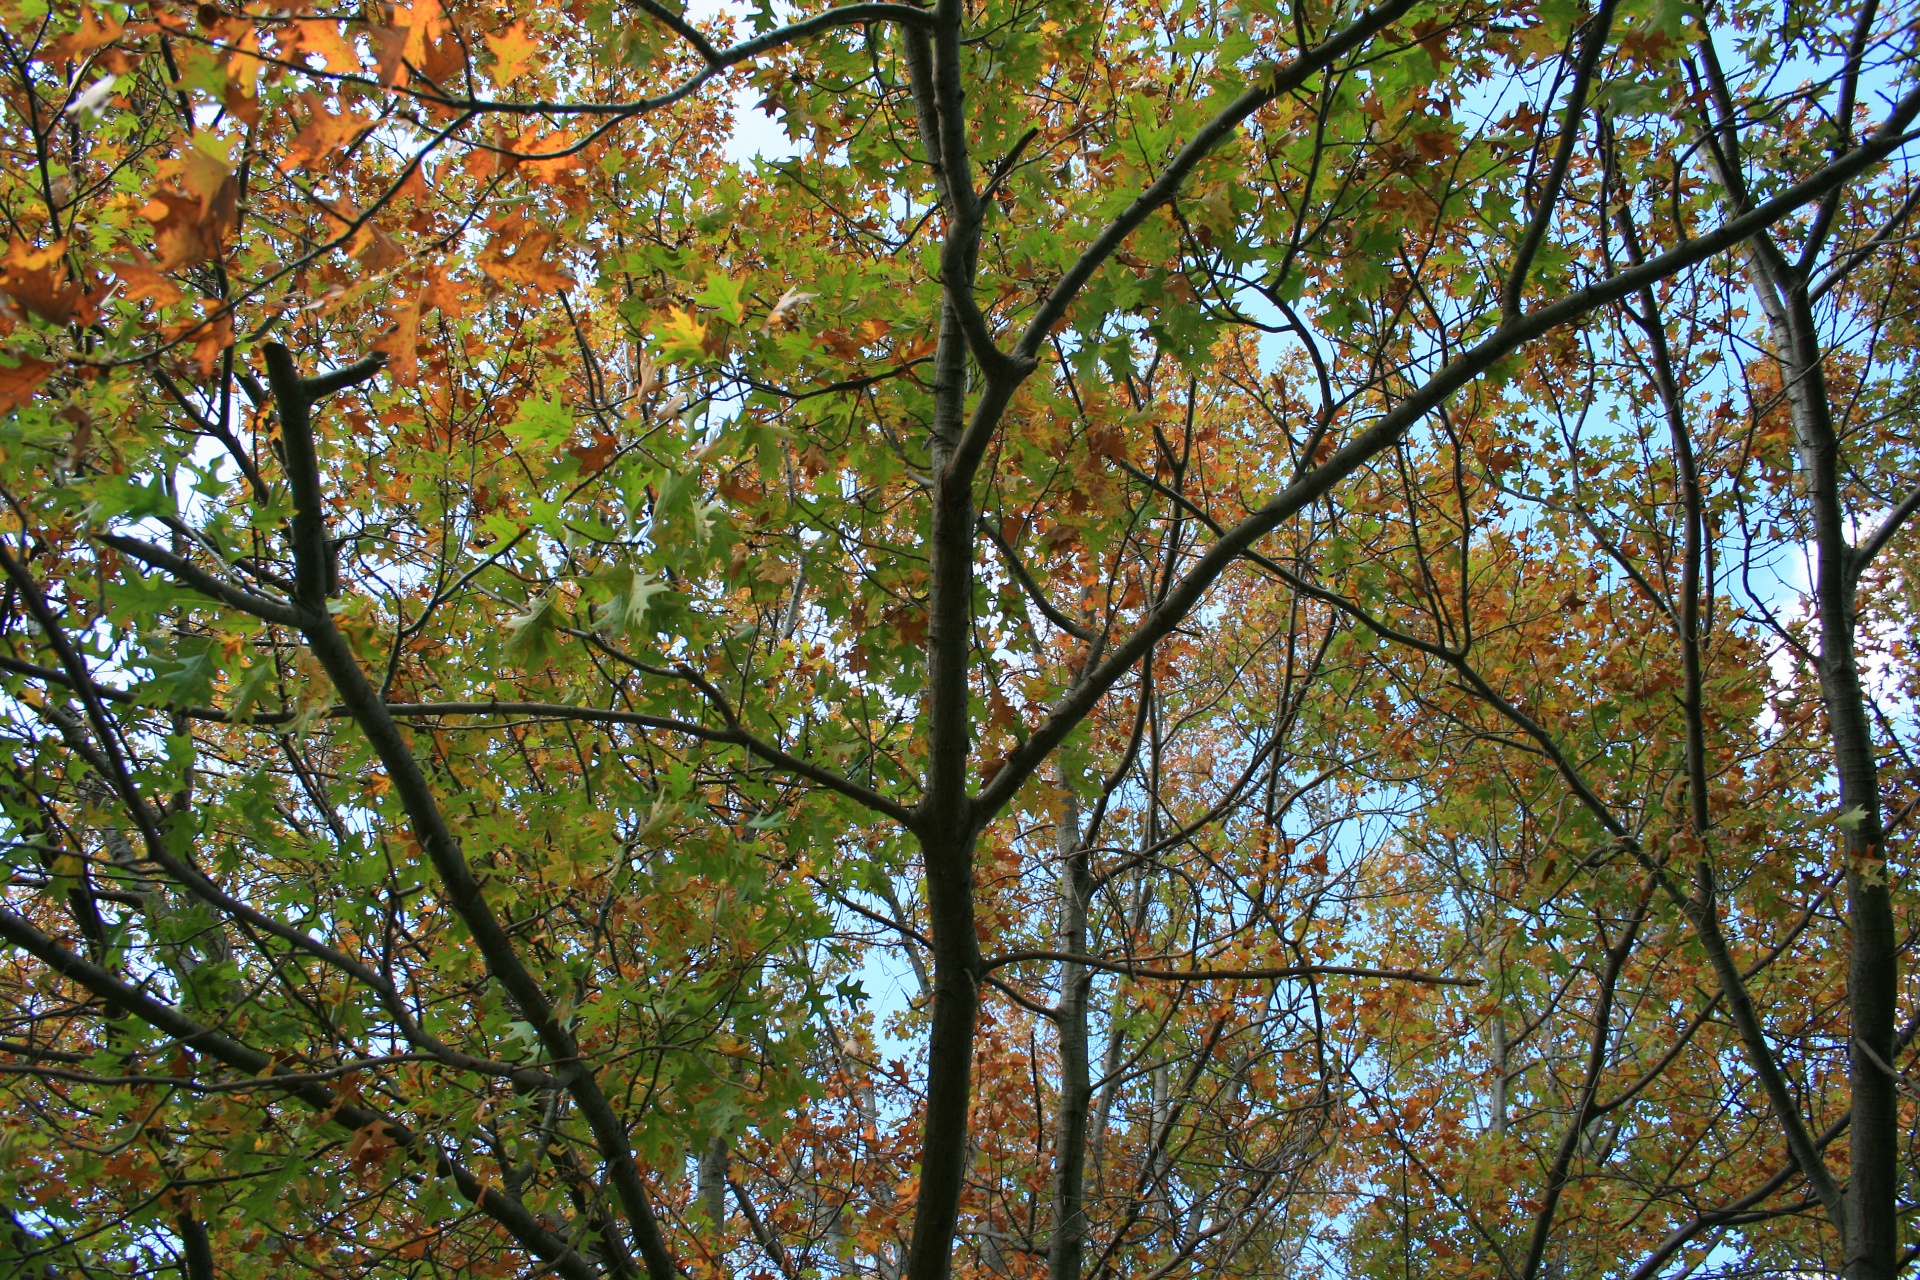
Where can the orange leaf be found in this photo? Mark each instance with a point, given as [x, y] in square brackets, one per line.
[322, 135]
[210, 336]
[93, 32]
[517, 253]
[513, 51]
[178, 231]
[550, 169]
[423, 21]
[321, 37]
[242, 97]
[448, 297]
[145, 280]
[402, 343]
[17, 384]
[37, 280]
[375, 250]
[204, 176]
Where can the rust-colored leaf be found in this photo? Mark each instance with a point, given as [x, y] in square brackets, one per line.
[38, 280]
[401, 344]
[517, 254]
[21, 379]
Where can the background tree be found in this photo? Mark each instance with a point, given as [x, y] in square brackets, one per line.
[1245, 555]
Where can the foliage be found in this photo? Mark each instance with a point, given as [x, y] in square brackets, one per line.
[1250, 638]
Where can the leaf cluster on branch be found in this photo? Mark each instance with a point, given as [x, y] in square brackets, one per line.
[1254, 639]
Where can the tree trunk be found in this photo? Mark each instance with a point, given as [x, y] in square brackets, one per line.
[1068, 1241]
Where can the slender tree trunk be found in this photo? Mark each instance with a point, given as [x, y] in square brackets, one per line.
[1498, 1103]
[713, 1184]
[1872, 1231]
[947, 826]
[1068, 1241]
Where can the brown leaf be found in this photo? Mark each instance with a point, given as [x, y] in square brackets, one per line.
[369, 1145]
[377, 251]
[143, 279]
[17, 384]
[402, 344]
[597, 455]
[37, 280]
[517, 253]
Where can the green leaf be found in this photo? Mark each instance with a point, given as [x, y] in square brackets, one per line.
[253, 682]
[626, 611]
[186, 680]
[533, 636]
[723, 295]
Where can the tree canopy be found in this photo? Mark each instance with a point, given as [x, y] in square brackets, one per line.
[1220, 637]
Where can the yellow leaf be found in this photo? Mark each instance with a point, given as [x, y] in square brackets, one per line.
[513, 50]
[683, 334]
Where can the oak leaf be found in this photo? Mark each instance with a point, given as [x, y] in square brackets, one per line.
[375, 250]
[320, 37]
[19, 382]
[93, 32]
[513, 51]
[595, 456]
[369, 1145]
[37, 279]
[517, 254]
[210, 335]
[401, 344]
[324, 133]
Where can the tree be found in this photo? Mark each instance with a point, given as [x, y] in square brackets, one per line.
[1244, 553]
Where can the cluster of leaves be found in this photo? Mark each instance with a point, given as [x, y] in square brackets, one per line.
[1188, 640]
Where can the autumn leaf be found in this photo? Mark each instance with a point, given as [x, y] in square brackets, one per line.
[192, 226]
[320, 37]
[37, 279]
[405, 42]
[210, 336]
[401, 344]
[205, 174]
[370, 1144]
[375, 250]
[513, 52]
[517, 254]
[788, 307]
[557, 147]
[93, 32]
[19, 380]
[682, 336]
[595, 456]
[324, 133]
